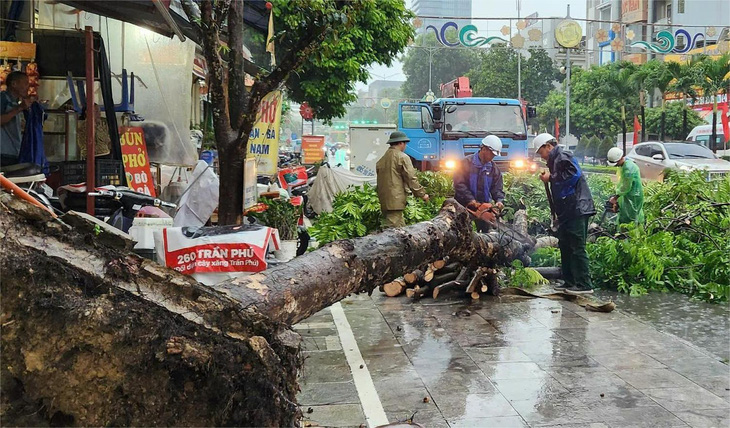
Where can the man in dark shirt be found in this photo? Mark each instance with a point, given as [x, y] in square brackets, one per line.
[478, 182]
[12, 103]
[573, 206]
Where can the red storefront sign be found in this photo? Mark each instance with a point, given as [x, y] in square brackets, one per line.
[136, 162]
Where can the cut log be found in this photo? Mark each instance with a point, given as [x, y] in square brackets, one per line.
[475, 280]
[394, 288]
[439, 264]
[451, 267]
[414, 277]
[97, 336]
[428, 275]
[546, 241]
[443, 277]
[418, 292]
[458, 282]
[550, 272]
[475, 295]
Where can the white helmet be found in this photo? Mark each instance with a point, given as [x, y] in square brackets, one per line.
[541, 140]
[614, 155]
[493, 143]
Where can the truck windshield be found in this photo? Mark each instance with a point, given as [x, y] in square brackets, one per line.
[484, 118]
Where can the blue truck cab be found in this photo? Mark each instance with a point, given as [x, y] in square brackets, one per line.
[446, 130]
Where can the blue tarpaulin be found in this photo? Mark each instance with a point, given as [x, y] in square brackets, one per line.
[31, 150]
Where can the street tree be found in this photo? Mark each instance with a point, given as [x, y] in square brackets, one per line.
[604, 146]
[687, 78]
[659, 77]
[716, 79]
[619, 87]
[322, 49]
[496, 74]
[446, 65]
[674, 125]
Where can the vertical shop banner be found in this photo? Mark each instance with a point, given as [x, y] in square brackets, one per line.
[135, 159]
[312, 148]
[250, 194]
[263, 143]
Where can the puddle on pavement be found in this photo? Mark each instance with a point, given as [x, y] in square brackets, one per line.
[705, 325]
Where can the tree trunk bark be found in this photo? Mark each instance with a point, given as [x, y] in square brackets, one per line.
[684, 122]
[230, 201]
[293, 291]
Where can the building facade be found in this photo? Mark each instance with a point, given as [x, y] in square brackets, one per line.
[443, 11]
[690, 24]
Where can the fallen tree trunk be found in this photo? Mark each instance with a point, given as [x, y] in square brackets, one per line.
[293, 291]
[93, 335]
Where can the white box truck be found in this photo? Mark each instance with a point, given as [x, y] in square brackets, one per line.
[367, 144]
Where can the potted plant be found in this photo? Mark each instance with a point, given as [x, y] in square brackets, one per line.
[280, 214]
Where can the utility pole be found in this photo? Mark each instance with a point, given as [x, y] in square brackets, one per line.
[567, 89]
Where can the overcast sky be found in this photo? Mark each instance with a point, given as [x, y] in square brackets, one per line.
[493, 9]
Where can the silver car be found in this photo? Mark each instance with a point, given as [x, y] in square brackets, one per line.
[654, 157]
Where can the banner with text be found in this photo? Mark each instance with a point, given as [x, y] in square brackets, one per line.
[312, 148]
[263, 142]
[136, 162]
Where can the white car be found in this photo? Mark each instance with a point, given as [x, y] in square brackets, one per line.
[654, 157]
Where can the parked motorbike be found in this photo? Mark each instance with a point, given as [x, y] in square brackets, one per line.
[130, 202]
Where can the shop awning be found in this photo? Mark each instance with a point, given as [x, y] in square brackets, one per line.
[167, 16]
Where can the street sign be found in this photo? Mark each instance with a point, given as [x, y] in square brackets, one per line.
[385, 103]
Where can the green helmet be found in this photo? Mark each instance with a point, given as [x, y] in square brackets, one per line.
[398, 137]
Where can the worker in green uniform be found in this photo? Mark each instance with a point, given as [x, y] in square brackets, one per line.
[395, 175]
[630, 191]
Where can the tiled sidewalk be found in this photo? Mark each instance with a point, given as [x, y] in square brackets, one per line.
[505, 363]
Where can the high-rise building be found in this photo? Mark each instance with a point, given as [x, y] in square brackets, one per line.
[443, 11]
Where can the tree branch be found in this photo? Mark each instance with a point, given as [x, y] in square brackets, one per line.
[211, 48]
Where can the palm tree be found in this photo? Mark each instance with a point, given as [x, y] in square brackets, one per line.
[716, 79]
[619, 85]
[639, 79]
[659, 77]
[687, 77]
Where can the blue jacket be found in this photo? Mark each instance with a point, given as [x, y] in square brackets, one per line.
[479, 182]
[571, 195]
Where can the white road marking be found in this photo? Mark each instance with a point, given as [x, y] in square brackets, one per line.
[371, 404]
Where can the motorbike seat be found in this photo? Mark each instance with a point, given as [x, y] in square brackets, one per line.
[23, 173]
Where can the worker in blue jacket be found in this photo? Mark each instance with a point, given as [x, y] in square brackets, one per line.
[573, 205]
[478, 183]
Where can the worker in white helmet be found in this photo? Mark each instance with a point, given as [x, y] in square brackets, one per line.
[629, 189]
[478, 183]
[573, 207]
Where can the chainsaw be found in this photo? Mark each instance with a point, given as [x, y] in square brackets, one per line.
[487, 212]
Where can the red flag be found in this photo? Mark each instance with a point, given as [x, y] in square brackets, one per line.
[557, 128]
[725, 124]
[637, 128]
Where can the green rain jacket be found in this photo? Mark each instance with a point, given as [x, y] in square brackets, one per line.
[630, 194]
